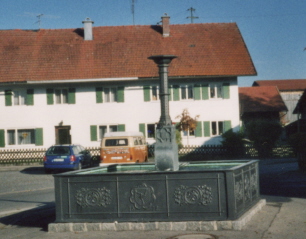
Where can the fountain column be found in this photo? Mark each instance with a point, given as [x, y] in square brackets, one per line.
[166, 149]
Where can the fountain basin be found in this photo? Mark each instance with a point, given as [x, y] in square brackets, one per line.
[198, 191]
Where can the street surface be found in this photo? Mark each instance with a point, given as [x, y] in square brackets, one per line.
[27, 206]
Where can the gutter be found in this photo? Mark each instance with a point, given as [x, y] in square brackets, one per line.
[81, 80]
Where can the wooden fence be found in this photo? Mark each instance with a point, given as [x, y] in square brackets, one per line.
[187, 153]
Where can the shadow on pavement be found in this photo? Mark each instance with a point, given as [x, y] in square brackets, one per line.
[38, 217]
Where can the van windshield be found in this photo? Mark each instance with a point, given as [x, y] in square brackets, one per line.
[116, 142]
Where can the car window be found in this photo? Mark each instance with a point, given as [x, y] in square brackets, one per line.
[116, 142]
[58, 150]
[76, 150]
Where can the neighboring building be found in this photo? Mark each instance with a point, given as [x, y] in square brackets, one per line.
[300, 112]
[262, 102]
[290, 90]
[73, 85]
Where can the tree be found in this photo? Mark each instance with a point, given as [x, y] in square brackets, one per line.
[187, 123]
[264, 134]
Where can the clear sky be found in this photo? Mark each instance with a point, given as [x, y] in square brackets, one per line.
[274, 30]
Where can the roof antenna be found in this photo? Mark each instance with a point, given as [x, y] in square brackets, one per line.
[39, 20]
[133, 11]
[191, 14]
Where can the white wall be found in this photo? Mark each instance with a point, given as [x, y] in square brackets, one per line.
[87, 112]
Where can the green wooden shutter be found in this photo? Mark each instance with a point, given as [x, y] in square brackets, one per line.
[176, 92]
[120, 92]
[39, 139]
[205, 90]
[8, 98]
[227, 125]
[2, 138]
[146, 93]
[142, 128]
[50, 98]
[99, 96]
[71, 96]
[30, 97]
[198, 130]
[197, 92]
[121, 127]
[93, 133]
[206, 128]
[226, 90]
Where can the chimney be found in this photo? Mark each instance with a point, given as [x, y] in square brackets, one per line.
[165, 25]
[88, 29]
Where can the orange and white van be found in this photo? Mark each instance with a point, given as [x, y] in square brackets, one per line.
[123, 147]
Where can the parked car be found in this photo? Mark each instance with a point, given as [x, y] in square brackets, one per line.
[66, 157]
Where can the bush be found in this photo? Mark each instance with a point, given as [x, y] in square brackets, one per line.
[233, 142]
[264, 134]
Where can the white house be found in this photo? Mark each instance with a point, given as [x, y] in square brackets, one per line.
[73, 85]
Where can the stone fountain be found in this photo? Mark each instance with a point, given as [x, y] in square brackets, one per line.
[160, 191]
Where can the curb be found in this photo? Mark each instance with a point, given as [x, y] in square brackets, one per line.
[236, 225]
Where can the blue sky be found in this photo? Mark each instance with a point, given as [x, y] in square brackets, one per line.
[274, 30]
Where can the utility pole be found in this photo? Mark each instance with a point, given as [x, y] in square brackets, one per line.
[191, 14]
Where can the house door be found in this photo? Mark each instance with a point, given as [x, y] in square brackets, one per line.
[62, 135]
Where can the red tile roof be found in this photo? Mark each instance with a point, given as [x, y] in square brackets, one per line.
[283, 85]
[215, 49]
[260, 99]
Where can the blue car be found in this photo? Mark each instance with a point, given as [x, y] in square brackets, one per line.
[66, 157]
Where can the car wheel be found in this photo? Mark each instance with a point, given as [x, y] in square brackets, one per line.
[80, 166]
[47, 171]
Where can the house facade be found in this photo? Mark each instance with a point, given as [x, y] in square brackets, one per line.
[261, 103]
[290, 90]
[73, 85]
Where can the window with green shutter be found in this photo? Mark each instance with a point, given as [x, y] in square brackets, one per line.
[93, 133]
[226, 90]
[205, 92]
[206, 128]
[198, 130]
[227, 125]
[121, 127]
[99, 95]
[176, 92]
[8, 98]
[142, 128]
[50, 98]
[71, 96]
[197, 92]
[30, 97]
[39, 139]
[146, 93]
[2, 138]
[120, 92]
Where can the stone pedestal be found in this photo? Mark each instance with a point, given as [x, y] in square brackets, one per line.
[166, 149]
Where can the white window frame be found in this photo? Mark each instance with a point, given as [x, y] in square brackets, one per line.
[216, 128]
[147, 130]
[61, 96]
[187, 92]
[19, 97]
[110, 94]
[108, 127]
[154, 93]
[17, 135]
[215, 90]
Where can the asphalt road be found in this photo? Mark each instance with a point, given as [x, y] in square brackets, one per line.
[27, 203]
